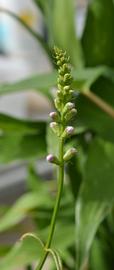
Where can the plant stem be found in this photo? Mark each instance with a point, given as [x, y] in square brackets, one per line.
[29, 29]
[57, 204]
[104, 106]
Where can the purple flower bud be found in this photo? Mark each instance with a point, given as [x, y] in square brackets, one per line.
[69, 131]
[53, 116]
[53, 159]
[69, 154]
[50, 158]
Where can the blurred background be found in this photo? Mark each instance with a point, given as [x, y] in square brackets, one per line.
[21, 56]
[28, 31]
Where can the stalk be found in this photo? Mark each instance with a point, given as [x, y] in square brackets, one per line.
[65, 111]
[57, 205]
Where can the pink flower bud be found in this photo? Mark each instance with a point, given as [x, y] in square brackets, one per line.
[53, 116]
[53, 159]
[69, 131]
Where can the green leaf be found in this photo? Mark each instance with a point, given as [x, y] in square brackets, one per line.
[98, 38]
[64, 32]
[21, 147]
[22, 208]
[52, 141]
[27, 250]
[16, 125]
[34, 182]
[96, 197]
[41, 82]
[91, 116]
[83, 78]
[99, 256]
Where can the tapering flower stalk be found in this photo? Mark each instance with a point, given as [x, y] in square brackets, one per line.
[65, 111]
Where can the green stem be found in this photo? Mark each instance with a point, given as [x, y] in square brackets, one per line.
[29, 29]
[56, 208]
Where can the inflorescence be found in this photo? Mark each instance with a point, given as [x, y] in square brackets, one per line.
[65, 108]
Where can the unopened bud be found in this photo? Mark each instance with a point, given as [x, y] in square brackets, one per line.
[59, 93]
[55, 127]
[67, 78]
[53, 116]
[71, 92]
[53, 159]
[60, 87]
[59, 63]
[57, 104]
[69, 106]
[69, 154]
[66, 88]
[69, 131]
[70, 114]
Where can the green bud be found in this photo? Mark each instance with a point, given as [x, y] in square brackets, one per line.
[57, 104]
[60, 87]
[67, 79]
[69, 116]
[59, 63]
[66, 88]
[69, 106]
[66, 68]
[55, 127]
[60, 81]
[69, 154]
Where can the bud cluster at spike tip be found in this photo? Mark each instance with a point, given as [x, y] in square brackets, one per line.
[65, 107]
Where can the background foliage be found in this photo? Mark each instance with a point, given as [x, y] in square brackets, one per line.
[88, 198]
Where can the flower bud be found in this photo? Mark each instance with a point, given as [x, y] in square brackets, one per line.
[67, 78]
[69, 106]
[70, 114]
[53, 159]
[60, 87]
[69, 154]
[55, 127]
[66, 88]
[59, 63]
[69, 131]
[59, 94]
[57, 104]
[54, 116]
